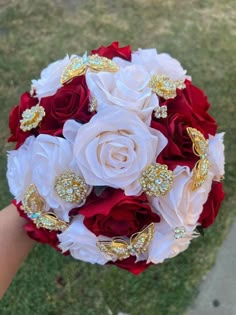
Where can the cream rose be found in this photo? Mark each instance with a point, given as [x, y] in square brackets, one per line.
[182, 206]
[50, 77]
[81, 242]
[113, 148]
[164, 244]
[161, 64]
[127, 89]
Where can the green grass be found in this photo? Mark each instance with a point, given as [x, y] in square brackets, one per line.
[201, 34]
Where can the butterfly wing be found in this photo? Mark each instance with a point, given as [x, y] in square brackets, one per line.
[76, 68]
[33, 203]
[200, 147]
[98, 63]
[115, 249]
[50, 221]
[140, 241]
[200, 173]
[34, 206]
[200, 144]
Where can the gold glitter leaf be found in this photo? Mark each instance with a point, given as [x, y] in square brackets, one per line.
[79, 66]
[32, 117]
[34, 206]
[200, 148]
[163, 86]
[120, 248]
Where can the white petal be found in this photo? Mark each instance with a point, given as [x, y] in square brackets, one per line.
[81, 242]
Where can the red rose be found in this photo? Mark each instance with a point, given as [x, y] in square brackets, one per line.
[18, 135]
[188, 109]
[212, 205]
[114, 50]
[70, 102]
[40, 235]
[129, 264]
[118, 215]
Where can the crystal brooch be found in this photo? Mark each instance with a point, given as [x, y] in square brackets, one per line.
[156, 180]
[71, 188]
[163, 86]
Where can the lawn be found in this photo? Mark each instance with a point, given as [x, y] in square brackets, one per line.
[202, 35]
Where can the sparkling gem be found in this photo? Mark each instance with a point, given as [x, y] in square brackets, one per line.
[180, 232]
[93, 104]
[160, 112]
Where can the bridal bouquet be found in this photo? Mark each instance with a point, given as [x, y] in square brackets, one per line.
[117, 159]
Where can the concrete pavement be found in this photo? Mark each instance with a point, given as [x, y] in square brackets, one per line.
[217, 294]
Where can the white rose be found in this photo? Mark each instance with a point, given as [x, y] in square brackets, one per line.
[40, 161]
[81, 242]
[127, 89]
[19, 173]
[50, 77]
[51, 157]
[113, 148]
[160, 64]
[164, 244]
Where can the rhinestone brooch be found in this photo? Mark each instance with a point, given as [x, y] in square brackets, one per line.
[156, 180]
[163, 86]
[71, 188]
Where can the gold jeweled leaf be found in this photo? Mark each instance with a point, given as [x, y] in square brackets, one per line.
[163, 86]
[34, 206]
[79, 66]
[120, 248]
[71, 188]
[200, 148]
[32, 117]
[156, 180]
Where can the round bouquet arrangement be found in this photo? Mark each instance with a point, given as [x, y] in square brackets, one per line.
[117, 160]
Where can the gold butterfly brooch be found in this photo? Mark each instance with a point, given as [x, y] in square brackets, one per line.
[34, 206]
[200, 148]
[79, 66]
[121, 248]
